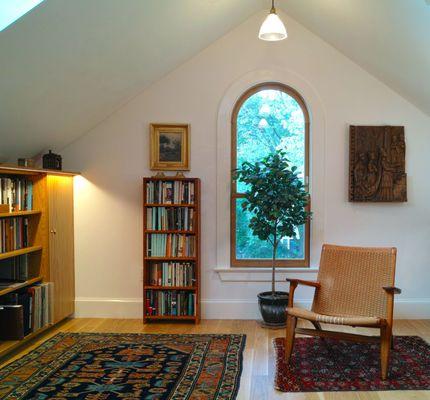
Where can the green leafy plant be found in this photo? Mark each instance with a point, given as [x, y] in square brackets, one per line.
[277, 199]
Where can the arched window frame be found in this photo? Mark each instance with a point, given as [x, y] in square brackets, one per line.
[234, 195]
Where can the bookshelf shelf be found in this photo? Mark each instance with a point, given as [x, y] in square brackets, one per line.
[172, 317]
[150, 287]
[19, 214]
[170, 231]
[20, 252]
[30, 171]
[182, 193]
[10, 345]
[20, 285]
[169, 205]
[171, 258]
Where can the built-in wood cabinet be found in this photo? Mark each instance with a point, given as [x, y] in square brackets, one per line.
[61, 245]
[50, 241]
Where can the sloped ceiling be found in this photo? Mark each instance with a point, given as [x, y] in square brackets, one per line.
[67, 65]
[388, 38]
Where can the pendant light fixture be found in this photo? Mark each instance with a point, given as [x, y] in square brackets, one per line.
[272, 29]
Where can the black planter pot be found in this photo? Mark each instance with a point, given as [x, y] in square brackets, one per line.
[272, 308]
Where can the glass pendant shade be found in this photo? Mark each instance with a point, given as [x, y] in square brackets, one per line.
[272, 28]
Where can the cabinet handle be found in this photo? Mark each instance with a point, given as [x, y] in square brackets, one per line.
[54, 231]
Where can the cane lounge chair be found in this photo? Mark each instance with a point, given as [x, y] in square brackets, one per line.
[355, 287]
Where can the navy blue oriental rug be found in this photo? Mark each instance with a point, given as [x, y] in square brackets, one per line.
[96, 366]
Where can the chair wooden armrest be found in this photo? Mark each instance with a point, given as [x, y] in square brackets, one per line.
[295, 282]
[392, 289]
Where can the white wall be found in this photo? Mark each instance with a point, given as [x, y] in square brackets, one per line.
[113, 158]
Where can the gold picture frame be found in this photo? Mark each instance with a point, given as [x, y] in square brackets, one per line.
[170, 147]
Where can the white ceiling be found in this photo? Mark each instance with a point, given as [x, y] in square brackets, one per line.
[388, 38]
[67, 65]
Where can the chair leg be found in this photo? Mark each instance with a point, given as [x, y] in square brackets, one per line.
[289, 340]
[317, 325]
[386, 340]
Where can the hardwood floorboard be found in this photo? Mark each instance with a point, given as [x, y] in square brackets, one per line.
[259, 362]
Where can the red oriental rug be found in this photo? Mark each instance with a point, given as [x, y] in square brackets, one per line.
[327, 365]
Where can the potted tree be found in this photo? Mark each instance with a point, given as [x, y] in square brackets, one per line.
[277, 200]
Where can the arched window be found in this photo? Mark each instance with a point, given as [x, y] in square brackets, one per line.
[268, 117]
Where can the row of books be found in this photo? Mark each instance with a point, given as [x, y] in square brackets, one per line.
[162, 218]
[170, 192]
[17, 193]
[13, 234]
[171, 274]
[26, 311]
[170, 245]
[13, 269]
[172, 303]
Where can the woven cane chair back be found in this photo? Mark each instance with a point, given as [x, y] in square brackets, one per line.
[352, 280]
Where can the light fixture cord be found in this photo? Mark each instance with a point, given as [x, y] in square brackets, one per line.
[273, 9]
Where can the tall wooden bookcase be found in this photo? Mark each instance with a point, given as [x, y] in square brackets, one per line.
[149, 288]
[51, 241]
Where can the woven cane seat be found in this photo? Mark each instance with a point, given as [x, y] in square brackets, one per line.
[333, 319]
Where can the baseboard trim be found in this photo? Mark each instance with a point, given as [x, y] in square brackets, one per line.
[248, 309]
[89, 307]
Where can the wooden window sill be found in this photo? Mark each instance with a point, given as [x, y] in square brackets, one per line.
[261, 274]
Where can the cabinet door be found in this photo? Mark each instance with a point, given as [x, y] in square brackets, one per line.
[61, 246]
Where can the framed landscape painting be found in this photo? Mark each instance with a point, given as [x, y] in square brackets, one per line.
[170, 147]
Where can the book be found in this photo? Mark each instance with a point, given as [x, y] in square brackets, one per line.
[170, 192]
[11, 321]
[170, 303]
[172, 274]
[170, 245]
[14, 269]
[17, 193]
[13, 234]
[162, 218]
[36, 302]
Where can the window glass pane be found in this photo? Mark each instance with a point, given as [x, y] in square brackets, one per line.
[12, 10]
[249, 246]
[267, 121]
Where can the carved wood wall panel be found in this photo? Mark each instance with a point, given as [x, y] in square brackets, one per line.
[377, 164]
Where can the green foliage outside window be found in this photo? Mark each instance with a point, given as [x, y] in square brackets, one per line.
[269, 121]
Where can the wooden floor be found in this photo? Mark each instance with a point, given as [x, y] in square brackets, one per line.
[257, 376]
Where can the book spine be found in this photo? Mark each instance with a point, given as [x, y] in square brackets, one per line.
[172, 274]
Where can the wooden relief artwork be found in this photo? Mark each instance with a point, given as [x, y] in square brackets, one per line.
[377, 164]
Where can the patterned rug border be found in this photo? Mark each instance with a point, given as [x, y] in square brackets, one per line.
[274, 346]
[35, 352]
